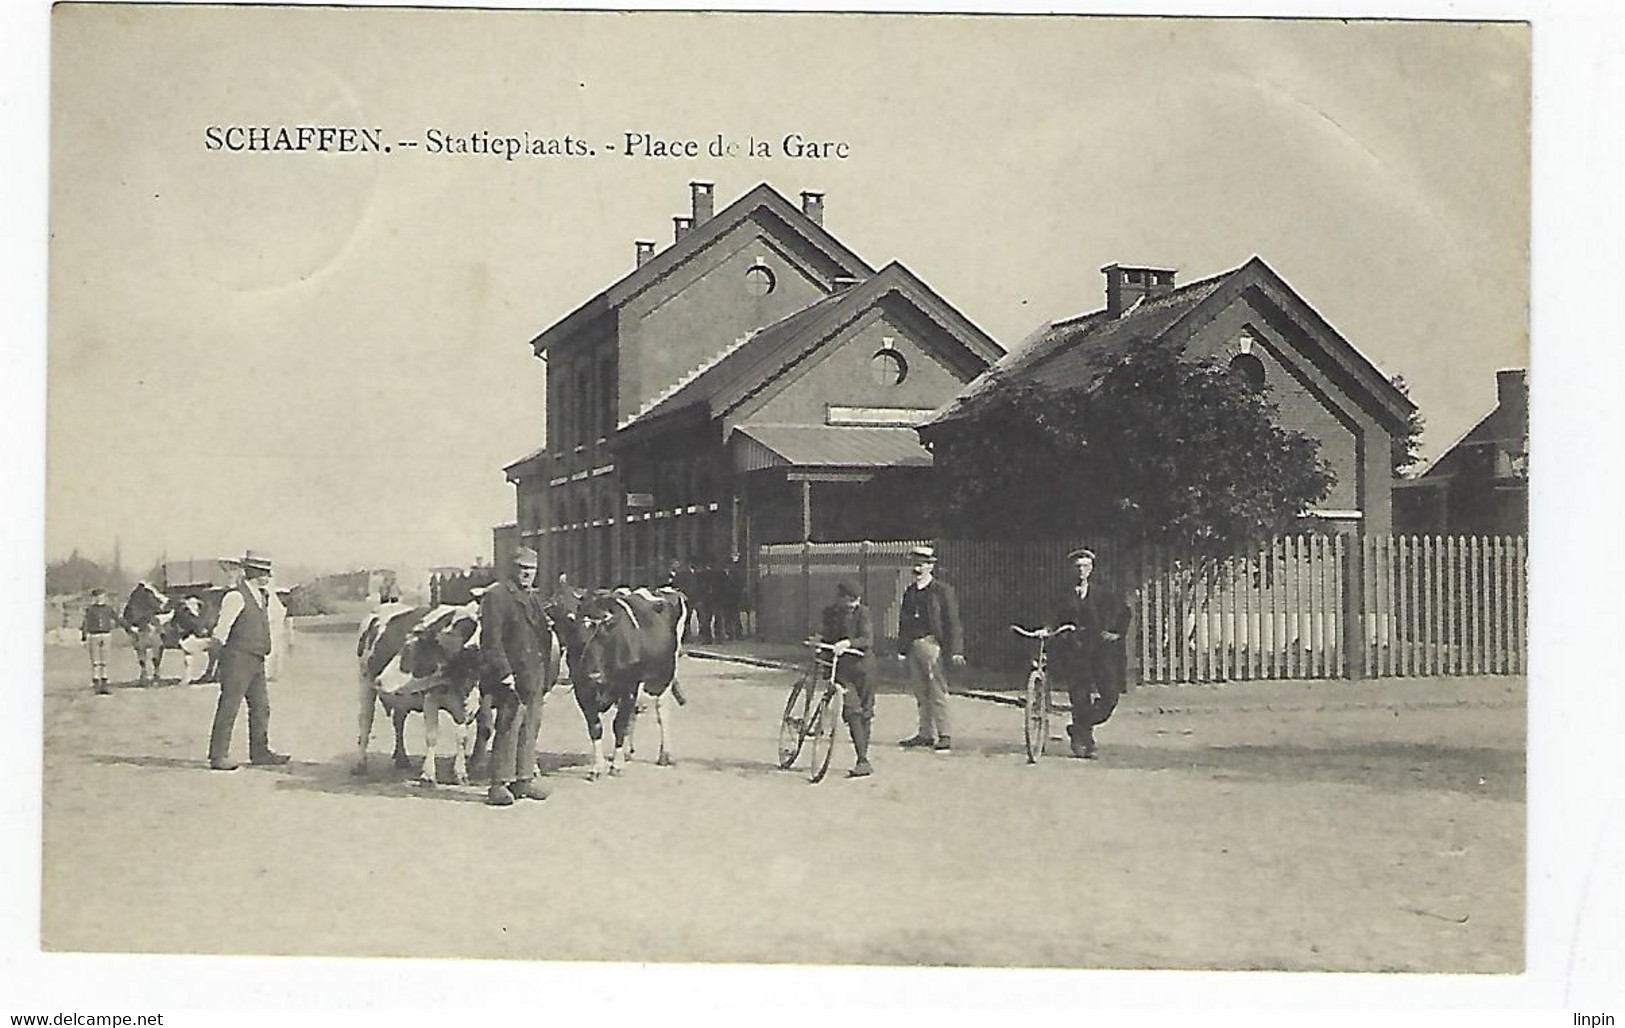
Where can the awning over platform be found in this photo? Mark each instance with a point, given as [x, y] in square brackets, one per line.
[823, 446]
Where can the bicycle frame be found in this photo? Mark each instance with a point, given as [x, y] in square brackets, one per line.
[818, 712]
[1036, 716]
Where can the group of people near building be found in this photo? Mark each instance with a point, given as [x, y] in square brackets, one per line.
[1089, 662]
[718, 596]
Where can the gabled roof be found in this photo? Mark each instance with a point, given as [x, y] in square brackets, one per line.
[1505, 423]
[763, 198]
[744, 368]
[1063, 354]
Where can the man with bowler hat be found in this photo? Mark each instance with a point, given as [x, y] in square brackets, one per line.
[1092, 661]
[847, 627]
[927, 628]
[243, 636]
[515, 641]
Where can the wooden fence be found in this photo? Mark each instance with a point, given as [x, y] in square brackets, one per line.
[796, 581]
[1304, 606]
[1436, 605]
[1277, 613]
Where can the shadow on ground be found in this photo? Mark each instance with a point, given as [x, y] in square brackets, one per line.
[1395, 767]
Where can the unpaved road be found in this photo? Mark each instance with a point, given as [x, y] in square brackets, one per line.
[1325, 826]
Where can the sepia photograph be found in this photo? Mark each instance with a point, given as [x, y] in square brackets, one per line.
[805, 489]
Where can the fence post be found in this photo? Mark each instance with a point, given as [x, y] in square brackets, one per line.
[806, 586]
[864, 548]
[1354, 606]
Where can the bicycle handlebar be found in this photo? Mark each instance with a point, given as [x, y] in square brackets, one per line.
[830, 648]
[1043, 633]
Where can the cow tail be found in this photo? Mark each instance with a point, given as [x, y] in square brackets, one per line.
[682, 633]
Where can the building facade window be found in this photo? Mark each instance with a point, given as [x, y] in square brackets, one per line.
[1248, 370]
[888, 367]
[759, 280]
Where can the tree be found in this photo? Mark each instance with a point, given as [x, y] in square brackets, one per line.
[77, 574]
[1158, 449]
[1406, 450]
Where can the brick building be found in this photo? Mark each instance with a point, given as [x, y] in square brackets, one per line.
[1253, 321]
[753, 382]
[1480, 484]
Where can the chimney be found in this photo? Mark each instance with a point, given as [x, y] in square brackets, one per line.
[680, 227]
[812, 205]
[646, 250]
[1126, 286]
[704, 201]
[1512, 389]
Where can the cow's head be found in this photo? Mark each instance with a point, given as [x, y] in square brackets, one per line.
[447, 646]
[564, 613]
[604, 635]
[145, 601]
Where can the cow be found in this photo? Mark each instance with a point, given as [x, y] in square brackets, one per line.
[618, 643]
[146, 614]
[424, 659]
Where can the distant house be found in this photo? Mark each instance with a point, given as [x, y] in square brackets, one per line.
[1253, 321]
[754, 382]
[1480, 484]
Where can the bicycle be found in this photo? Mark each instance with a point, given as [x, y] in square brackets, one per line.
[813, 711]
[1037, 707]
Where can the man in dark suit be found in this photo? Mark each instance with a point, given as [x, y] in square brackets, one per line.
[927, 629]
[1091, 662]
[515, 643]
[847, 625]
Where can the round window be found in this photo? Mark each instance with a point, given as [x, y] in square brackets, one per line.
[1248, 370]
[759, 280]
[887, 367]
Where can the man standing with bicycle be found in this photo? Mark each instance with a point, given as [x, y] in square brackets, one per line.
[927, 628]
[847, 627]
[1092, 661]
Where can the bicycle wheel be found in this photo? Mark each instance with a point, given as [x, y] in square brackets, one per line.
[793, 726]
[825, 726]
[1037, 716]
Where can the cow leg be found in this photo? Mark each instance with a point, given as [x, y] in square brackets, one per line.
[459, 759]
[364, 715]
[431, 740]
[398, 714]
[484, 725]
[663, 719]
[587, 701]
[626, 712]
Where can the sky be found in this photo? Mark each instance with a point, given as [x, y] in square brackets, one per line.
[327, 356]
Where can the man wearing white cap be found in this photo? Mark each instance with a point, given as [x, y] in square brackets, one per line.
[243, 635]
[928, 627]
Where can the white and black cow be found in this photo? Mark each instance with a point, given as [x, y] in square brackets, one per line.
[147, 613]
[618, 643]
[424, 659]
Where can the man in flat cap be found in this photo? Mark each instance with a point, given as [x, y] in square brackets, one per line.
[927, 628]
[515, 641]
[1092, 662]
[243, 635]
[848, 627]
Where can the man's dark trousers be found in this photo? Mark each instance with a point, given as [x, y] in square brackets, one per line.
[242, 676]
[518, 722]
[1095, 674]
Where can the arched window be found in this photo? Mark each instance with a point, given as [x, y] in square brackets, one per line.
[888, 367]
[1248, 370]
[759, 280]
